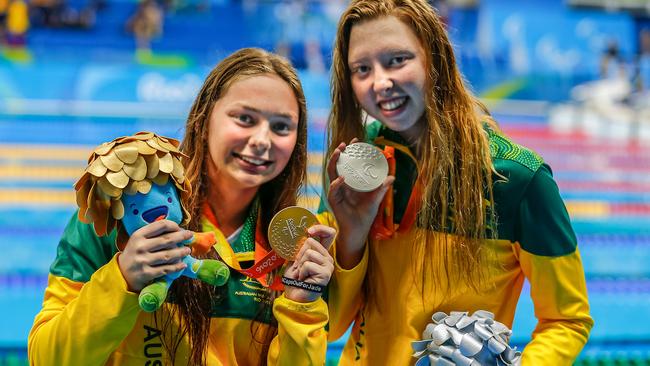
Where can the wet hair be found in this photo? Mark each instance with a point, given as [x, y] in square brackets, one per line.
[454, 156]
[194, 298]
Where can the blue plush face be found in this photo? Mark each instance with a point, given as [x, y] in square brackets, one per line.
[160, 203]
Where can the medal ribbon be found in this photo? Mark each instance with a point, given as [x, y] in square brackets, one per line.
[264, 260]
[383, 227]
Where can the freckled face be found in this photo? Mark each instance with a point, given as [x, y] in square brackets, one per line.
[388, 74]
[253, 131]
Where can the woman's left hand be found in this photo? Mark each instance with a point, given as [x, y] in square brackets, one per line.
[313, 264]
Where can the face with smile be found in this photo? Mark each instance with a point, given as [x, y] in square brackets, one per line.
[252, 132]
[388, 74]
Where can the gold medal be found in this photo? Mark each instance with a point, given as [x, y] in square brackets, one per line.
[288, 230]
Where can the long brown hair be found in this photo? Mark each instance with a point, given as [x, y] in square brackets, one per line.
[453, 152]
[194, 299]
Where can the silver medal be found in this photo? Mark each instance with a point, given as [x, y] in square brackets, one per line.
[363, 166]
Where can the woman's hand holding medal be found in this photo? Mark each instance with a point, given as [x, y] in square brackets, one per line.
[358, 175]
[295, 235]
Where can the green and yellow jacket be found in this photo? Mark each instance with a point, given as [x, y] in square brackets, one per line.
[535, 242]
[90, 318]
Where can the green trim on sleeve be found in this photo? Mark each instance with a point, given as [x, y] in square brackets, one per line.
[528, 205]
[503, 148]
[81, 252]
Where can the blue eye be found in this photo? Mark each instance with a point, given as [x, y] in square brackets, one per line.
[281, 128]
[397, 60]
[135, 212]
[246, 119]
[361, 69]
[169, 199]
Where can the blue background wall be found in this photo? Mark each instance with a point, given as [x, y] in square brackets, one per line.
[71, 90]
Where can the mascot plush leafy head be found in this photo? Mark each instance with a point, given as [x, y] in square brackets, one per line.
[133, 181]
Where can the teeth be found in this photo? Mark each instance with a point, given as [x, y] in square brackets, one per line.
[252, 160]
[393, 104]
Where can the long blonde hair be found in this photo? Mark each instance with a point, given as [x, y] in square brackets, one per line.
[195, 298]
[455, 165]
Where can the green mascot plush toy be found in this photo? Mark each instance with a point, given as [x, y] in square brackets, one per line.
[133, 181]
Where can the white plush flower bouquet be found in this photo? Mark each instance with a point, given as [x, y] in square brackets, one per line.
[460, 339]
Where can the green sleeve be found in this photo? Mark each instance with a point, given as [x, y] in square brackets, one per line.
[551, 262]
[81, 252]
[543, 226]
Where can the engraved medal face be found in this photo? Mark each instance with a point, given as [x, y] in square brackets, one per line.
[363, 166]
[288, 230]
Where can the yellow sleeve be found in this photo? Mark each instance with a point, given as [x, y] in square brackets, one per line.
[83, 323]
[301, 339]
[344, 295]
[559, 293]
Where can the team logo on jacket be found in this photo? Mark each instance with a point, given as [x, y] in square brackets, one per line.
[152, 346]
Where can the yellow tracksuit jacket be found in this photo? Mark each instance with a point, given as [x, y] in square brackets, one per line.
[90, 318]
[535, 242]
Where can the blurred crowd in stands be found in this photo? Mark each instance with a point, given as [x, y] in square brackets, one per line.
[632, 74]
[146, 23]
[309, 24]
[617, 105]
[14, 21]
[18, 16]
[614, 65]
[301, 30]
